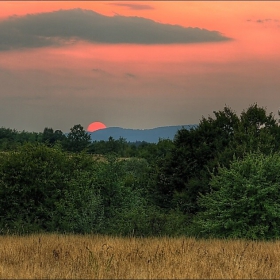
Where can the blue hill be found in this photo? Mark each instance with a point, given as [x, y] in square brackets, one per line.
[134, 135]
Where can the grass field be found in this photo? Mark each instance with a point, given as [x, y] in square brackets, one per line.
[74, 256]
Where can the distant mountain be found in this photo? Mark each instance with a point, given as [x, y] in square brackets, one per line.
[134, 135]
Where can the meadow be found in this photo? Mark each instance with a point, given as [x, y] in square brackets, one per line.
[58, 256]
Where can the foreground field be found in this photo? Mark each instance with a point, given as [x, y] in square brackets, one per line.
[72, 256]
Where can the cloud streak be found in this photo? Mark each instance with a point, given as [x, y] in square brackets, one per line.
[66, 26]
[130, 75]
[263, 20]
[133, 6]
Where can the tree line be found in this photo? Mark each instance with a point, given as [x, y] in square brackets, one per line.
[219, 179]
[78, 140]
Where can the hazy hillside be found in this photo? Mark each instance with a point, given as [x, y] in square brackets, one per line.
[133, 135]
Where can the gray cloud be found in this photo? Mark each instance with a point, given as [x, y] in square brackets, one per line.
[99, 70]
[64, 26]
[130, 75]
[263, 20]
[133, 6]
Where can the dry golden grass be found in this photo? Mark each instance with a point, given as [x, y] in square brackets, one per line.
[72, 257]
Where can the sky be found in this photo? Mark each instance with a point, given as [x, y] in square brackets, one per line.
[135, 64]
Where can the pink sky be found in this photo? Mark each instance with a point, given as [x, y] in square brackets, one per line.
[140, 85]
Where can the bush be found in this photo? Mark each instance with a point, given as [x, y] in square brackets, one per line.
[45, 189]
[123, 189]
[245, 200]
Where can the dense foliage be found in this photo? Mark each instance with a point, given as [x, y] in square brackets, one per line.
[43, 189]
[47, 189]
[199, 152]
[245, 199]
[218, 179]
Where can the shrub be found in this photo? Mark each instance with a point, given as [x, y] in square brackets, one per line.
[245, 199]
[45, 189]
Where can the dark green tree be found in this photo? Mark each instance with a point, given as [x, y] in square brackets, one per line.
[185, 173]
[198, 152]
[11, 138]
[77, 140]
[258, 130]
[50, 137]
[7, 138]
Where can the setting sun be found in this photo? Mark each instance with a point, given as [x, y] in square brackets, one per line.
[96, 126]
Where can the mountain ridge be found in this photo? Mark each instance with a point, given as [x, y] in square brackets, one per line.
[151, 135]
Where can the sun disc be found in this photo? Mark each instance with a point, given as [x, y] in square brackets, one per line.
[96, 126]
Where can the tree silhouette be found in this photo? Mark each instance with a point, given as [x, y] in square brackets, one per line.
[78, 139]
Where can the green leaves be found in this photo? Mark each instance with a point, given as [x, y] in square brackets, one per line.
[37, 182]
[78, 139]
[46, 189]
[215, 142]
[246, 200]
